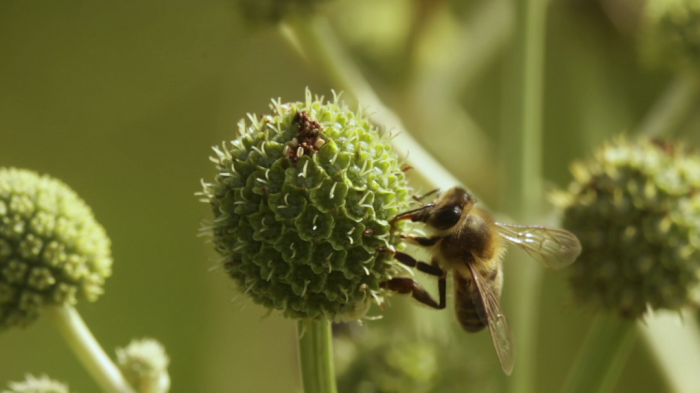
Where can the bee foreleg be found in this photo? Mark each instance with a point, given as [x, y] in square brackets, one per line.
[433, 269]
[410, 214]
[420, 240]
[405, 285]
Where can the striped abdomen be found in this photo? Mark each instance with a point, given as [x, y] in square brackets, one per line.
[468, 303]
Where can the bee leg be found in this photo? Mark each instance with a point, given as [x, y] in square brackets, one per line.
[442, 282]
[405, 285]
[410, 214]
[433, 269]
[421, 241]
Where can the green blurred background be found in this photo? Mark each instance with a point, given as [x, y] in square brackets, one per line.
[123, 100]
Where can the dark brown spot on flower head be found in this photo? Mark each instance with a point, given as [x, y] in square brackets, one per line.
[308, 140]
[307, 127]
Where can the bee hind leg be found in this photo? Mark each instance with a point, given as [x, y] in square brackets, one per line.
[405, 285]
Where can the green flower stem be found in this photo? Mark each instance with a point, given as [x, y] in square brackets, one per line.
[674, 342]
[316, 356]
[313, 37]
[525, 127]
[602, 356]
[87, 349]
[678, 101]
[522, 145]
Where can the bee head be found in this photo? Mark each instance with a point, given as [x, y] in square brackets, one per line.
[447, 209]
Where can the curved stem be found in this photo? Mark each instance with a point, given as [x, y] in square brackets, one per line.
[602, 356]
[674, 106]
[478, 43]
[316, 356]
[314, 38]
[87, 349]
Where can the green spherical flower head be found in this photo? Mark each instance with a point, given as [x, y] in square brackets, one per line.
[636, 210]
[52, 251]
[671, 33]
[302, 201]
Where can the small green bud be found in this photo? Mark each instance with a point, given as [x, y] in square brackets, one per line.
[636, 210]
[52, 251]
[671, 33]
[32, 384]
[302, 200]
[144, 364]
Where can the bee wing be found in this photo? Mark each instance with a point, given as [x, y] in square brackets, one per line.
[492, 316]
[554, 248]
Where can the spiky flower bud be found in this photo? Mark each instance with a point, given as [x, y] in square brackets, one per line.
[33, 384]
[671, 33]
[273, 11]
[636, 210]
[144, 364]
[52, 251]
[302, 201]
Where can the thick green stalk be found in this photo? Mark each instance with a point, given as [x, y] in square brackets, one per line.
[674, 106]
[316, 356]
[87, 349]
[602, 356]
[522, 151]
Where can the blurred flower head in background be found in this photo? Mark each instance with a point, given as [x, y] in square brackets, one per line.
[636, 209]
[52, 250]
[375, 360]
[144, 365]
[671, 33]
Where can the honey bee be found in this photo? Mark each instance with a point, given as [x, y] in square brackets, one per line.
[468, 242]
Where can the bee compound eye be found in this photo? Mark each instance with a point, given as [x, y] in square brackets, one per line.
[445, 218]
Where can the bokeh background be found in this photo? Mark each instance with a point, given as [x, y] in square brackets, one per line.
[123, 101]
